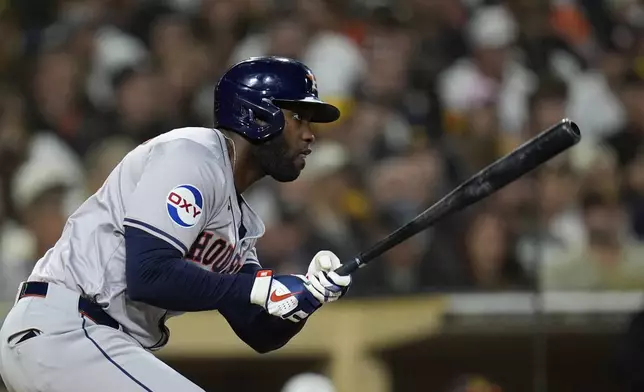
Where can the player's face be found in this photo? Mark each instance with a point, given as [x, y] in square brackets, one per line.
[283, 157]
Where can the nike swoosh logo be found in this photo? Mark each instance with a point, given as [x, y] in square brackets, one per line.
[281, 297]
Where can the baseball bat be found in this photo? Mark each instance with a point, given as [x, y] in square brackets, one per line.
[500, 173]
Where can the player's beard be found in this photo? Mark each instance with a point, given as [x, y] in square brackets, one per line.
[276, 160]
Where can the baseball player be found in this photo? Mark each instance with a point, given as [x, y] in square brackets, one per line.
[168, 233]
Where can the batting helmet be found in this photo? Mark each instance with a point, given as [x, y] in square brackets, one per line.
[249, 96]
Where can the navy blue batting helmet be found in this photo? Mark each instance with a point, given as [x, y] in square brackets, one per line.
[249, 96]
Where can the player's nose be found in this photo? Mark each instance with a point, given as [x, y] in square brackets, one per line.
[307, 134]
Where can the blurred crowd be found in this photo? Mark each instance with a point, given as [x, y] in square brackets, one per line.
[430, 91]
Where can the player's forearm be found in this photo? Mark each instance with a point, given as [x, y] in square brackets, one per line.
[157, 275]
[261, 331]
[252, 324]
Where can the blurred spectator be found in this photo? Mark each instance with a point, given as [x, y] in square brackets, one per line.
[57, 100]
[308, 382]
[558, 225]
[14, 141]
[221, 27]
[400, 188]
[628, 139]
[474, 383]
[546, 105]
[490, 255]
[387, 48]
[15, 241]
[49, 162]
[611, 260]
[224, 26]
[282, 247]
[75, 31]
[440, 26]
[138, 110]
[375, 131]
[570, 22]
[594, 102]
[383, 106]
[102, 158]
[548, 219]
[480, 143]
[14, 138]
[545, 48]
[11, 46]
[34, 16]
[491, 75]
[114, 49]
[287, 36]
[602, 175]
[44, 216]
[182, 65]
[404, 267]
[437, 39]
[45, 190]
[633, 193]
[310, 33]
[334, 58]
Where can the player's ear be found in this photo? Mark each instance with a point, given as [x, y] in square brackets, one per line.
[288, 114]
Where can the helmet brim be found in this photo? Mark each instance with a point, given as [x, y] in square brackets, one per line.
[322, 112]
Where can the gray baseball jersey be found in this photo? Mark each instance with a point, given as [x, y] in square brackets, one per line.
[178, 187]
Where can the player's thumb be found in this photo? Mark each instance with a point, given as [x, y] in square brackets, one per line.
[326, 260]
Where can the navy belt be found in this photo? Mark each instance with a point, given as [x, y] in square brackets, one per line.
[86, 307]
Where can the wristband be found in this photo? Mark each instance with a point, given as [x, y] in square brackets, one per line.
[261, 287]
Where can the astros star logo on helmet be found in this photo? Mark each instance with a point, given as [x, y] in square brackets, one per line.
[314, 83]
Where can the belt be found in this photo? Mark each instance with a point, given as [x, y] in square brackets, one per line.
[86, 307]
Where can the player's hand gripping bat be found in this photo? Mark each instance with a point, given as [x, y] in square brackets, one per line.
[522, 160]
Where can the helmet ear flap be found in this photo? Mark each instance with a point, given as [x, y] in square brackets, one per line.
[263, 119]
[247, 112]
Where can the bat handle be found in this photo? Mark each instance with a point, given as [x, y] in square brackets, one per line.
[349, 267]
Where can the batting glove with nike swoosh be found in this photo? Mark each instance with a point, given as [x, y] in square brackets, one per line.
[295, 297]
[285, 296]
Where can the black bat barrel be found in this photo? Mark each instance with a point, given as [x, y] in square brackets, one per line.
[507, 169]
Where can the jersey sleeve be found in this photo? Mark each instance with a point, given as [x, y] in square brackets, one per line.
[251, 257]
[180, 189]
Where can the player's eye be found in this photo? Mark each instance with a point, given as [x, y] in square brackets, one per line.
[297, 117]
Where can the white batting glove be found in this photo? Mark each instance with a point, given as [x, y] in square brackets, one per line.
[296, 297]
[326, 285]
